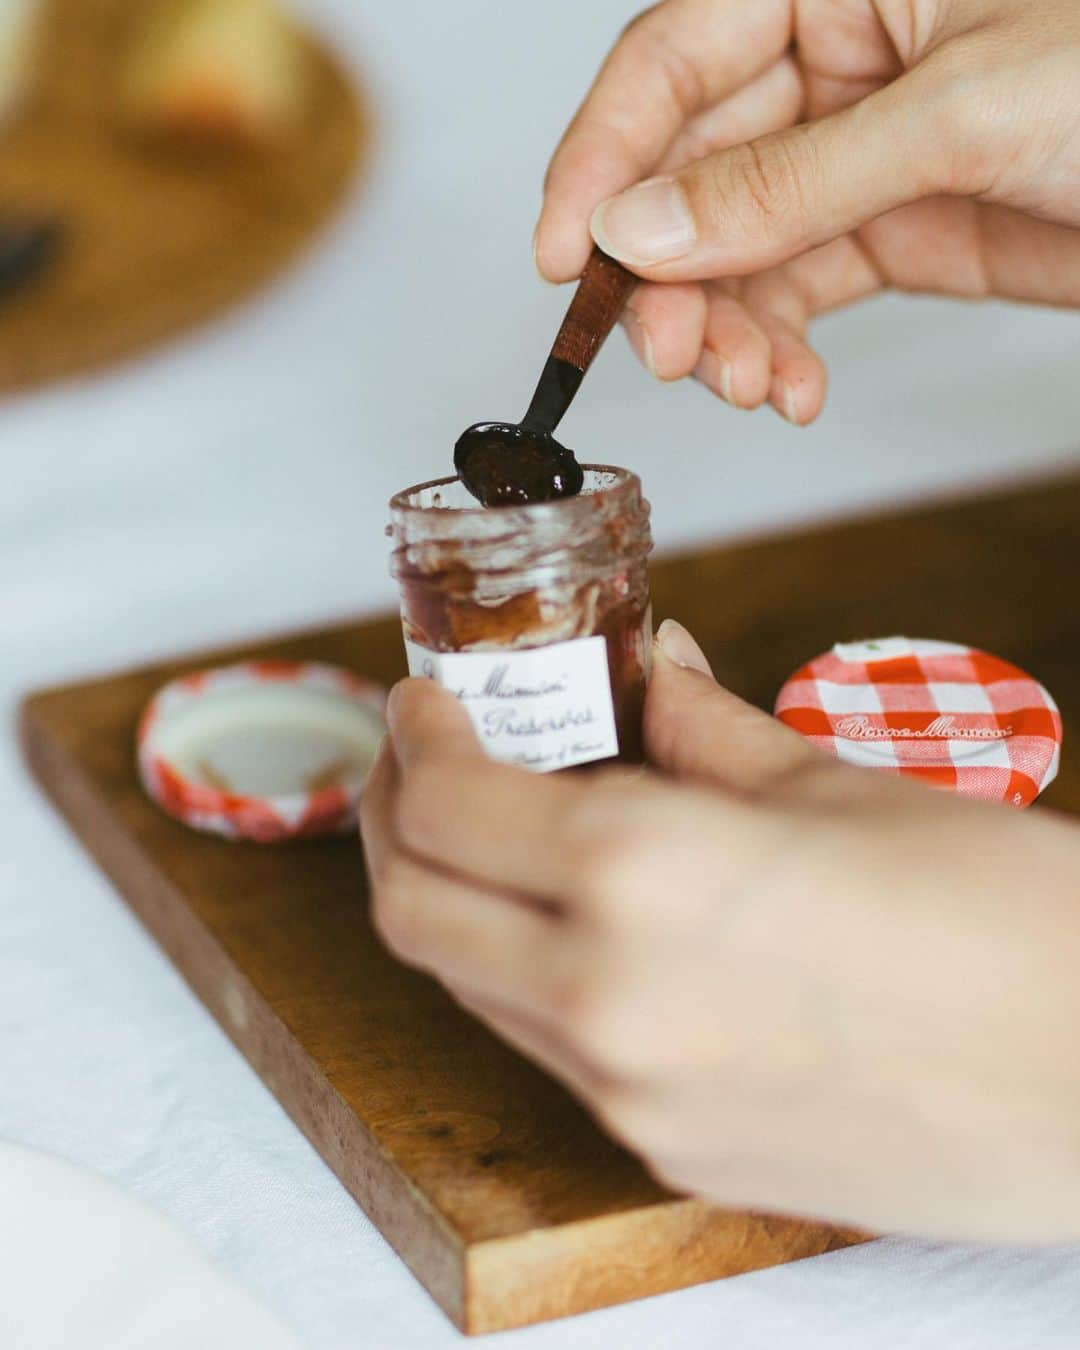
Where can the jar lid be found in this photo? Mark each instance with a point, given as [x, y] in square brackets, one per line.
[267, 750]
[951, 715]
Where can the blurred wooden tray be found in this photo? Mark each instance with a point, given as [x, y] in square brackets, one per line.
[495, 1187]
[156, 240]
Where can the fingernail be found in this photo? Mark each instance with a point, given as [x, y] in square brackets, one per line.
[678, 646]
[640, 340]
[649, 223]
[726, 384]
[536, 259]
[715, 373]
[783, 396]
[390, 711]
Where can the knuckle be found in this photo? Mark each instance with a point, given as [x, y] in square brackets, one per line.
[695, 142]
[607, 843]
[645, 46]
[651, 47]
[972, 122]
[606, 873]
[959, 122]
[640, 19]
[588, 838]
[768, 182]
[599, 1020]
[763, 176]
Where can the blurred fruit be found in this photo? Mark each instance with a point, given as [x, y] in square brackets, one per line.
[231, 71]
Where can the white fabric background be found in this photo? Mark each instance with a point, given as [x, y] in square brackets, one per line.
[235, 484]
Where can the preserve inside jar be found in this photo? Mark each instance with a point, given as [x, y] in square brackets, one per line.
[537, 616]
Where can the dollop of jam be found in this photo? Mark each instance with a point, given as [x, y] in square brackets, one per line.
[503, 464]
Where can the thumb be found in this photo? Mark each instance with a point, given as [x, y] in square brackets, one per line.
[427, 722]
[760, 203]
[696, 729]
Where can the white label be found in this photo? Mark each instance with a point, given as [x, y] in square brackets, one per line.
[542, 708]
[880, 649]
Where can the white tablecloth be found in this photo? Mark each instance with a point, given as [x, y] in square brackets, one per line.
[235, 484]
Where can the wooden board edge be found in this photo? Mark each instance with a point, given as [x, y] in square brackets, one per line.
[419, 1234]
[575, 1268]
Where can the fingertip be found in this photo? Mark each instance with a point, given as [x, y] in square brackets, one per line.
[538, 263]
[679, 646]
[808, 409]
[603, 240]
[640, 341]
[744, 383]
[738, 359]
[673, 319]
[782, 398]
[647, 226]
[561, 246]
[799, 377]
[403, 696]
[596, 228]
[798, 401]
[425, 719]
[753, 383]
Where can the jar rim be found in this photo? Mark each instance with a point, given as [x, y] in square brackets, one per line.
[515, 548]
[624, 483]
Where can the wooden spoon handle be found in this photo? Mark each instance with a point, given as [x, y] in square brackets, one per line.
[602, 292]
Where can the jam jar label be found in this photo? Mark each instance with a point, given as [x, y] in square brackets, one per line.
[542, 708]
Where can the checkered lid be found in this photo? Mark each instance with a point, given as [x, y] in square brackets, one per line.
[265, 751]
[951, 715]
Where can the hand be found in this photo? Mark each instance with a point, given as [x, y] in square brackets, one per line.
[787, 983]
[802, 154]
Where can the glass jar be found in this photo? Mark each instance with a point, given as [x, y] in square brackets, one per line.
[537, 617]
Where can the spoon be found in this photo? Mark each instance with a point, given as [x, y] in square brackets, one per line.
[510, 463]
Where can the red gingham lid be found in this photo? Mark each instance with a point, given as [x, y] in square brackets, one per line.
[953, 716]
[267, 750]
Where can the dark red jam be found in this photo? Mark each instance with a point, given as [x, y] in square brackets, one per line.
[473, 580]
[503, 464]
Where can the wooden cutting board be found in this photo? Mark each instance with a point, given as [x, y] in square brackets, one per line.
[493, 1184]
